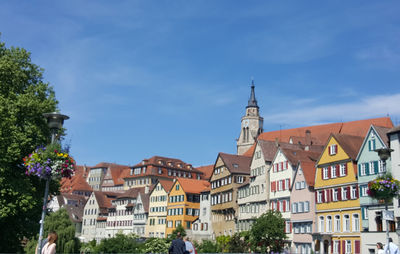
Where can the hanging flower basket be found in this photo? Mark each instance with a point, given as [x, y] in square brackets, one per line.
[51, 161]
[384, 188]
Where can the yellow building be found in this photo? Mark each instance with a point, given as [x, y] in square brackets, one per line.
[338, 213]
[184, 203]
[158, 201]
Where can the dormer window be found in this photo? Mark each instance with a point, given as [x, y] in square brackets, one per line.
[159, 171]
[160, 162]
[235, 165]
[179, 165]
[333, 149]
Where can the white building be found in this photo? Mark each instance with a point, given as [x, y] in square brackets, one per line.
[202, 227]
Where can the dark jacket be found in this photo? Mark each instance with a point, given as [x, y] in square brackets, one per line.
[177, 247]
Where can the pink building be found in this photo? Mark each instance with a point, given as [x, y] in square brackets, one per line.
[303, 206]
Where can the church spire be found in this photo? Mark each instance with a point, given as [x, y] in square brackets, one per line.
[252, 100]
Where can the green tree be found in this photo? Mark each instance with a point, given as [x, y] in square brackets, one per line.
[156, 245]
[24, 97]
[238, 243]
[180, 229]
[207, 246]
[60, 223]
[120, 244]
[223, 243]
[268, 232]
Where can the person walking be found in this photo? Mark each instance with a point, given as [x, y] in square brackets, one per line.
[50, 246]
[177, 246]
[189, 246]
[392, 248]
[379, 246]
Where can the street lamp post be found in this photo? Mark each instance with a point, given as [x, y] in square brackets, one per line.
[55, 122]
[384, 154]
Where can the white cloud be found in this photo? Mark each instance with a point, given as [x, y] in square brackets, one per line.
[367, 107]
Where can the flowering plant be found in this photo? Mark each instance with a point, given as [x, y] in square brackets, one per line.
[50, 161]
[384, 187]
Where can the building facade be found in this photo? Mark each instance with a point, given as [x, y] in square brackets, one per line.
[202, 227]
[336, 191]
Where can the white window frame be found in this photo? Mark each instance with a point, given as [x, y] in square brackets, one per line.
[335, 193]
[344, 193]
[371, 168]
[333, 171]
[353, 192]
[329, 223]
[348, 247]
[363, 171]
[356, 222]
[325, 173]
[342, 169]
[306, 206]
[380, 166]
[346, 223]
[321, 224]
[337, 223]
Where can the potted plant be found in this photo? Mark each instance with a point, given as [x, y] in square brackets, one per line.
[384, 188]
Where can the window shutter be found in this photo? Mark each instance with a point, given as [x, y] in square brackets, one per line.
[323, 196]
[357, 191]
[336, 149]
[291, 224]
[339, 247]
[339, 194]
[345, 169]
[322, 173]
[281, 165]
[277, 205]
[343, 246]
[284, 205]
[316, 197]
[329, 173]
[330, 150]
[367, 168]
[359, 169]
[337, 170]
[331, 246]
[376, 166]
[287, 164]
[283, 185]
[348, 192]
[357, 246]
[289, 184]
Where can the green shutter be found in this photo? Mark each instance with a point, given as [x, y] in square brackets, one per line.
[367, 168]
[376, 166]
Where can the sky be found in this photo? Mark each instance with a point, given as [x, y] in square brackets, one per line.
[172, 77]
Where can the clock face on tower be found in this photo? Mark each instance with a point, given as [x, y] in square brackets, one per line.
[246, 123]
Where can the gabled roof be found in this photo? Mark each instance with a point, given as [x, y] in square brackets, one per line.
[115, 171]
[167, 185]
[193, 186]
[394, 130]
[381, 132]
[296, 155]
[131, 193]
[350, 144]
[207, 171]
[145, 201]
[309, 171]
[236, 163]
[103, 200]
[323, 131]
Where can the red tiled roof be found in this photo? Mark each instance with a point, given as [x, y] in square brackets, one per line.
[192, 185]
[296, 155]
[115, 170]
[131, 193]
[382, 132]
[236, 163]
[323, 131]
[309, 171]
[350, 144]
[207, 171]
[167, 185]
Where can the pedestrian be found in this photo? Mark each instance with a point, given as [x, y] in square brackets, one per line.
[391, 247]
[189, 246]
[50, 246]
[177, 246]
[379, 246]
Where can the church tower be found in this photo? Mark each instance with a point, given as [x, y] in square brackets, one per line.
[252, 124]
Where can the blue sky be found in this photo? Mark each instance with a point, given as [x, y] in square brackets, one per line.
[172, 78]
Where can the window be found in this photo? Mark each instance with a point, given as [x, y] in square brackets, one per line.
[353, 192]
[333, 149]
[337, 223]
[307, 206]
[348, 246]
[344, 193]
[343, 169]
[371, 144]
[346, 223]
[362, 169]
[335, 194]
[294, 208]
[301, 207]
[279, 185]
[325, 173]
[333, 171]
[239, 179]
[287, 228]
[319, 197]
[380, 167]
[287, 183]
[371, 168]
[336, 247]
[321, 224]
[356, 223]
[328, 223]
[177, 187]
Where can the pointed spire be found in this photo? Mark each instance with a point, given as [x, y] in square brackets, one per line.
[252, 100]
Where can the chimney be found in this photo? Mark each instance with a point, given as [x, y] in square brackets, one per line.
[308, 141]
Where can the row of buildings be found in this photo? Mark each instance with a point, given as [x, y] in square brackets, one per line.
[316, 176]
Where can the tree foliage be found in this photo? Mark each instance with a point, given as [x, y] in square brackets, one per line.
[60, 223]
[223, 243]
[24, 97]
[239, 243]
[156, 245]
[119, 244]
[268, 232]
[180, 229]
[207, 246]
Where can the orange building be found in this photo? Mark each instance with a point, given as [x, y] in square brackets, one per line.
[184, 203]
